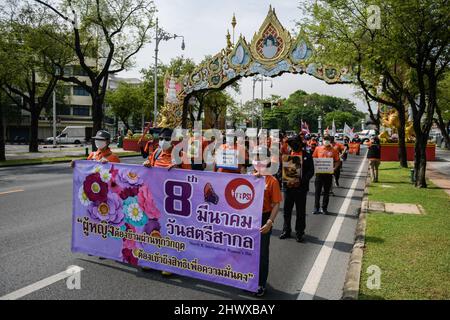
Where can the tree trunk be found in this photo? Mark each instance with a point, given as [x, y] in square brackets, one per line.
[443, 128]
[97, 117]
[34, 128]
[402, 155]
[2, 134]
[420, 160]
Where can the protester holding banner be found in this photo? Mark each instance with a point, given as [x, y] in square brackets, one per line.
[324, 173]
[103, 153]
[272, 199]
[162, 158]
[296, 189]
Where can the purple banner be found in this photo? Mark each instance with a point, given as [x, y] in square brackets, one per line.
[198, 224]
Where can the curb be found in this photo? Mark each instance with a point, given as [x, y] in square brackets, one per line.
[56, 161]
[353, 276]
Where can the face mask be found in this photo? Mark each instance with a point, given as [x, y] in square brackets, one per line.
[260, 165]
[326, 143]
[100, 144]
[164, 145]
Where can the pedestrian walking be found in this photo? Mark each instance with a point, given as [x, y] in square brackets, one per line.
[324, 180]
[296, 193]
[374, 156]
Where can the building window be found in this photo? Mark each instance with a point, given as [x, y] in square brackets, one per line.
[79, 71]
[62, 110]
[80, 91]
[81, 110]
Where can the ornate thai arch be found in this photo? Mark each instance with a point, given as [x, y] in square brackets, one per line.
[271, 52]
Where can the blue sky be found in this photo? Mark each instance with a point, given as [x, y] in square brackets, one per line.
[204, 24]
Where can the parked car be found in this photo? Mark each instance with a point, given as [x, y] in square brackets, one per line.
[71, 134]
[365, 135]
[339, 136]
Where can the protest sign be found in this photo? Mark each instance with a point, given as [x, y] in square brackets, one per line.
[292, 170]
[323, 165]
[227, 159]
[199, 224]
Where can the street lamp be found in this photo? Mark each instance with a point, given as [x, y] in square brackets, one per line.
[262, 80]
[160, 34]
[319, 120]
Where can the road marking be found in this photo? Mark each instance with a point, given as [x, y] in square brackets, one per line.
[11, 191]
[315, 275]
[42, 284]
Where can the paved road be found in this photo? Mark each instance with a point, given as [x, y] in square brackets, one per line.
[442, 163]
[35, 213]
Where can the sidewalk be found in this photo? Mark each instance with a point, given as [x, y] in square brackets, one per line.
[439, 171]
[20, 152]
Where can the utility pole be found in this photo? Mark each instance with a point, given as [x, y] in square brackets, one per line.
[54, 118]
[160, 34]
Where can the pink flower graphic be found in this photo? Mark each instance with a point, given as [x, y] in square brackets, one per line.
[147, 204]
[96, 190]
[109, 210]
[129, 177]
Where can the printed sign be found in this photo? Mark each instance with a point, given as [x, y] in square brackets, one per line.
[292, 170]
[198, 224]
[323, 165]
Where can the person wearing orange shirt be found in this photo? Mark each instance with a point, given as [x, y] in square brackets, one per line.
[313, 144]
[297, 194]
[162, 158]
[103, 153]
[271, 206]
[339, 147]
[324, 180]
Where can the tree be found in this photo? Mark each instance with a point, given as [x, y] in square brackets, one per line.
[127, 101]
[342, 117]
[217, 102]
[27, 72]
[443, 108]
[107, 32]
[300, 106]
[177, 67]
[409, 50]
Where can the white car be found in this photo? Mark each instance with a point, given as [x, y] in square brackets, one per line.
[365, 135]
[70, 135]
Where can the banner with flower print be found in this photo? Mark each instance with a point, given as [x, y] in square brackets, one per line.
[198, 224]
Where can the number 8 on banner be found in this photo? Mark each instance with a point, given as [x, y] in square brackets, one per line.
[178, 196]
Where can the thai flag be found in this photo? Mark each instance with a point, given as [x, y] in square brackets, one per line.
[304, 128]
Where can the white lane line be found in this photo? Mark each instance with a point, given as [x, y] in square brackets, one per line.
[11, 191]
[315, 275]
[72, 270]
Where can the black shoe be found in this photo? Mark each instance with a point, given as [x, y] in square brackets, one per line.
[285, 235]
[325, 212]
[299, 238]
[317, 211]
[337, 183]
[261, 292]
